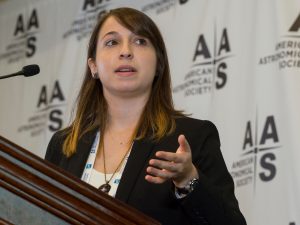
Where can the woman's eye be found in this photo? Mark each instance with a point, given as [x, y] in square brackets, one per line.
[110, 42]
[141, 41]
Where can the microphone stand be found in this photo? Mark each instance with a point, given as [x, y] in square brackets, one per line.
[11, 75]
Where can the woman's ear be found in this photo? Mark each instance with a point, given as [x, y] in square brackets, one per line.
[92, 66]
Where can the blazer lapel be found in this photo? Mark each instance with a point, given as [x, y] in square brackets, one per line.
[137, 161]
[77, 162]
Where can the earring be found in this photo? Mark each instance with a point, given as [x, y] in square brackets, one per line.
[95, 75]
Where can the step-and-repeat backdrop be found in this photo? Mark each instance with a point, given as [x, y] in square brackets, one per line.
[234, 62]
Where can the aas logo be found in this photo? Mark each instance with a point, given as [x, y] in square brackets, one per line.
[49, 112]
[23, 44]
[52, 104]
[27, 30]
[267, 141]
[202, 51]
[258, 161]
[209, 65]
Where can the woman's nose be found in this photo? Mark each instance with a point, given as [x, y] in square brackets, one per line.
[126, 52]
[126, 55]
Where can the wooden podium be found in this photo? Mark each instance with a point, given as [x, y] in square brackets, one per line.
[33, 191]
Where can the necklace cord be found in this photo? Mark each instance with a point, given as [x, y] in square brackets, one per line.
[119, 165]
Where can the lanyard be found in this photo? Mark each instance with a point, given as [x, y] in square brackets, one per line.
[91, 160]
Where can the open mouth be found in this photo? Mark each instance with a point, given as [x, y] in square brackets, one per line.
[125, 69]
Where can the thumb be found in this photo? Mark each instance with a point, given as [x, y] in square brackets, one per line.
[183, 144]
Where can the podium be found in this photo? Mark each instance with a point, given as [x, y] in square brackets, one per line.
[33, 191]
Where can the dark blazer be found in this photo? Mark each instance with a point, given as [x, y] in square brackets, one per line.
[212, 202]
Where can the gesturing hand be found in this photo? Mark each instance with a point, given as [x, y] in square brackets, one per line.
[176, 166]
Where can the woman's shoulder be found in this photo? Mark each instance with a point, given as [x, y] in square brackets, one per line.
[58, 137]
[189, 123]
[54, 151]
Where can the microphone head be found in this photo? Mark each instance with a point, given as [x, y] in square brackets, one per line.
[30, 70]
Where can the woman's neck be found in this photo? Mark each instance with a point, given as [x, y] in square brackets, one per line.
[124, 113]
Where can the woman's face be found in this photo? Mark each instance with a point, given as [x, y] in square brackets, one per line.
[125, 62]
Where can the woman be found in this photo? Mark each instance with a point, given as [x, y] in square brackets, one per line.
[129, 141]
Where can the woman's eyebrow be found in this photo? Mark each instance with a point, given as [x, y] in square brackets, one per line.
[110, 33]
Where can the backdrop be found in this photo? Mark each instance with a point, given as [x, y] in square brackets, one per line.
[234, 62]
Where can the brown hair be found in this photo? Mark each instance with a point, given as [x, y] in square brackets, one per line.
[158, 117]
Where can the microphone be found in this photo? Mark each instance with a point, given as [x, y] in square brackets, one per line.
[27, 71]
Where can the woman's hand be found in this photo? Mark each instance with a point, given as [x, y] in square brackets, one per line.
[176, 166]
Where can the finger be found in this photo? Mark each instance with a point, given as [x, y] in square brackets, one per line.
[171, 166]
[183, 144]
[165, 174]
[169, 156]
[155, 180]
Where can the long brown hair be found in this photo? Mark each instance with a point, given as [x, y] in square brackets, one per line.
[158, 117]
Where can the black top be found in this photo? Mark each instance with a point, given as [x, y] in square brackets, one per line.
[211, 202]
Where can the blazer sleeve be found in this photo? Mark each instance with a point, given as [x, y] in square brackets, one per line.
[213, 200]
